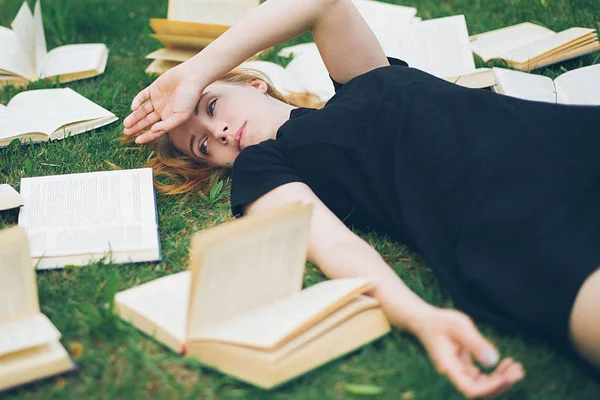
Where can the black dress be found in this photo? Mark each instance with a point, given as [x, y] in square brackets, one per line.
[499, 195]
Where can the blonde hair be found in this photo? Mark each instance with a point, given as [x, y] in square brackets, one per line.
[187, 174]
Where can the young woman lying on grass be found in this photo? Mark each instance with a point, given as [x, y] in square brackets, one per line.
[499, 195]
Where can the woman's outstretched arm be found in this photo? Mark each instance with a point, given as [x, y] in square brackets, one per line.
[450, 337]
[346, 43]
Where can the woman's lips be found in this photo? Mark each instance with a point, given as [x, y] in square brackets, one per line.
[240, 136]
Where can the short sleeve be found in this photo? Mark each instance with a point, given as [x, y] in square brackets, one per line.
[393, 61]
[257, 170]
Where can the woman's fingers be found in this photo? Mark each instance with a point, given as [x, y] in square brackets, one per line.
[139, 114]
[140, 98]
[147, 121]
[469, 384]
[467, 334]
[170, 123]
[149, 136]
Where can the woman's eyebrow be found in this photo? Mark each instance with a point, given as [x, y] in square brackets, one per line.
[198, 104]
[192, 140]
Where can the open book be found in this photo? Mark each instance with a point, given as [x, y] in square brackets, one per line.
[30, 348]
[240, 309]
[191, 26]
[76, 219]
[9, 197]
[220, 12]
[580, 86]
[24, 57]
[438, 46]
[529, 46]
[49, 114]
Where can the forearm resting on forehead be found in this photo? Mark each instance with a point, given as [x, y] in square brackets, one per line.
[345, 41]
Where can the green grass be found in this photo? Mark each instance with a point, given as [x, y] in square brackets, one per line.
[115, 360]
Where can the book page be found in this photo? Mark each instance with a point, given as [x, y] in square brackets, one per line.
[494, 44]
[162, 303]
[176, 55]
[309, 71]
[437, 46]
[18, 288]
[579, 86]
[25, 333]
[46, 110]
[383, 18]
[220, 12]
[13, 59]
[169, 27]
[73, 58]
[24, 28]
[182, 42]
[9, 197]
[247, 263]
[271, 325]
[524, 85]
[89, 212]
[542, 46]
[40, 38]
[35, 363]
[279, 76]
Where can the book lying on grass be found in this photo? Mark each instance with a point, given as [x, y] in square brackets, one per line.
[240, 308]
[30, 347]
[220, 12]
[77, 219]
[529, 46]
[24, 57]
[580, 86]
[49, 114]
[9, 197]
[384, 18]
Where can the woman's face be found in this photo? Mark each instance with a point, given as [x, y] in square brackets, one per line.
[228, 118]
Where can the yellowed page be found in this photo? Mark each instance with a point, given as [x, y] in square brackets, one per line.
[40, 39]
[47, 110]
[246, 264]
[279, 76]
[160, 66]
[168, 27]
[480, 78]
[437, 46]
[9, 197]
[24, 28]
[269, 326]
[96, 212]
[537, 49]
[18, 289]
[221, 12]
[177, 55]
[162, 305]
[308, 70]
[579, 86]
[496, 43]
[25, 333]
[74, 58]
[524, 85]
[31, 364]
[182, 42]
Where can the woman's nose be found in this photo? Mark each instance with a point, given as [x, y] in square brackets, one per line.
[222, 133]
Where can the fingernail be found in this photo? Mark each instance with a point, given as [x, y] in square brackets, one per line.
[491, 357]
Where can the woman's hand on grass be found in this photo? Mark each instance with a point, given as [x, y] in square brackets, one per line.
[168, 102]
[454, 342]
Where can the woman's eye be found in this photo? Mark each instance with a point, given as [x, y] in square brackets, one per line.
[211, 107]
[204, 147]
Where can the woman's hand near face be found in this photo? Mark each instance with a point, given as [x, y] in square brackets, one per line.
[453, 343]
[165, 104]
